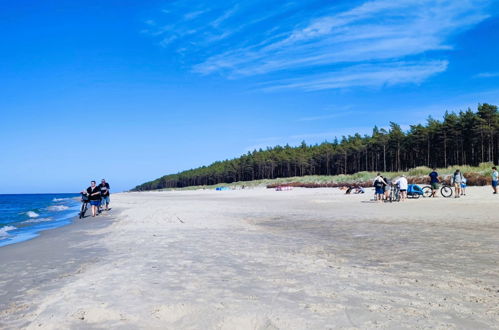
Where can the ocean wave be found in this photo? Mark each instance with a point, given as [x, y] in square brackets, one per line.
[32, 214]
[37, 220]
[60, 199]
[4, 230]
[57, 208]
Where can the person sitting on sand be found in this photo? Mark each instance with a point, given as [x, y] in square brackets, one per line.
[94, 195]
[359, 190]
[434, 182]
[457, 179]
[403, 185]
[495, 179]
[379, 182]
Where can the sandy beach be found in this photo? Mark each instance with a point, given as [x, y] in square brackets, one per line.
[261, 259]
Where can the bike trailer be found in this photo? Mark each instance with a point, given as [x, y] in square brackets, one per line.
[414, 189]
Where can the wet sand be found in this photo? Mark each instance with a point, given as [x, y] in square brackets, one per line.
[261, 259]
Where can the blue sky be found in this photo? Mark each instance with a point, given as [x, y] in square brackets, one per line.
[131, 90]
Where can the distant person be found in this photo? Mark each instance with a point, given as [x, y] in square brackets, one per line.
[434, 181]
[359, 190]
[94, 195]
[379, 182]
[495, 178]
[463, 186]
[387, 188]
[403, 185]
[105, 193]
[457, 179]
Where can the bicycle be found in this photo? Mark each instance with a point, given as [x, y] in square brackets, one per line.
[394, 194]
[84, 205]
[445, 190]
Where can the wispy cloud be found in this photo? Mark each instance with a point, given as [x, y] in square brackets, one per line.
[376, 43]
[365, 75]
[487, 75]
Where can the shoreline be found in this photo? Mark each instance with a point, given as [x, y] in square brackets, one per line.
[39, 264]
[246, 259]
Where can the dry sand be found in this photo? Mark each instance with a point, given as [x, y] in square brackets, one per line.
[261, 259]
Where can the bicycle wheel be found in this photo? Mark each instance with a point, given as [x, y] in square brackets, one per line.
[427, 191]
[396, 195]
[446, 191]
[83, 210]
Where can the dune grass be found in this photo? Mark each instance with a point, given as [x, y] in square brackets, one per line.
[476, 175]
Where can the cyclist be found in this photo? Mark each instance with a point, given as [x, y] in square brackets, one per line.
[434, 182]
[457, 179]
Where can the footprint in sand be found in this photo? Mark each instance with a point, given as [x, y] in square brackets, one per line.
[172, 313]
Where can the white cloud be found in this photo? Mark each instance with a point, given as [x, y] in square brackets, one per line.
[379, 42]
[366, 76]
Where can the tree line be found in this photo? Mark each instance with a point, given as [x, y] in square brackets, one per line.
[464, 138]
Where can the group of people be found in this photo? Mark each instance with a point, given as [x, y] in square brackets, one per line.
[98, 196]
[383, 186]
[457, 180]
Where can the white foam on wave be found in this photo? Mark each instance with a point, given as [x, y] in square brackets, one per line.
[4, 231]
[57, 208]
[38, 220]
[60, 199]
[32, 214]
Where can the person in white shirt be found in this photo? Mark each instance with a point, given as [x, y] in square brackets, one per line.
[402, 183]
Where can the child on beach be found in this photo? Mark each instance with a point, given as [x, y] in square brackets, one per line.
[463, 187]
[495, 178]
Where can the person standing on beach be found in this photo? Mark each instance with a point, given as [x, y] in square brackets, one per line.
[387, 187]
[104, 189]
[403, 185]
[495, 178]
[379, 183]
[434, 182]
[463, 186]
[94, 196]
[457, 179]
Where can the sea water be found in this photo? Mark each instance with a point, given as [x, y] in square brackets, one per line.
[24, 216]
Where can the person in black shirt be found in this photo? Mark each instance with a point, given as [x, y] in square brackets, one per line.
[94, 196]
[104, 189]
